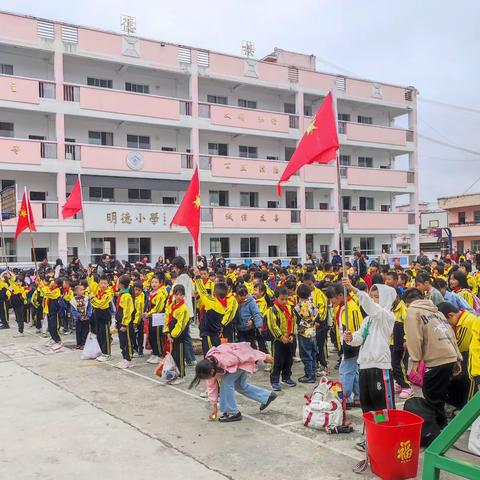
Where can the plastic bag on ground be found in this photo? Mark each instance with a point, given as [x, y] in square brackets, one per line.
[91, 350]
[170, 371]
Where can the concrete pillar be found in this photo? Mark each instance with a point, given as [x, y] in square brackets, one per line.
[62, 246]
[299, 106]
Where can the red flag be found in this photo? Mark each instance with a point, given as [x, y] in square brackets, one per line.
[25, 217]
[318, 144]
[188, 213]
[74, 202]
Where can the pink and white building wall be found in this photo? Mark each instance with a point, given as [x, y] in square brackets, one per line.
[134, 116]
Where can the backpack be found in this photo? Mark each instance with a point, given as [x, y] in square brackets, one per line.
[430, 428]
[323, 407]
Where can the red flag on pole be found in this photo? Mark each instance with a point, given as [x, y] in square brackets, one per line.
[319, 143]
[74, 202]
[188, 213]
[25, 217]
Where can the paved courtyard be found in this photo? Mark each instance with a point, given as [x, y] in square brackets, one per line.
[67, 418]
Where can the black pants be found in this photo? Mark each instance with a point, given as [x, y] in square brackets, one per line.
[262, 339]
[282, 361]
[435, 389]
[377, 391]
[138, 338]
[210, 340]
[125, 339]
[20, 316]
[82, 328]
[461, 387]
[155, 338]
[321, 337]
[4, 314]
[249, 336]
[178, 354]
[66, 318]
[102, 327]
[400, 366]
[53, 326]
[38, 316]
[229, 332]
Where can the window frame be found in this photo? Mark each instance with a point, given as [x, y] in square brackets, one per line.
[133, 87]
[135, 141]
[97, 82]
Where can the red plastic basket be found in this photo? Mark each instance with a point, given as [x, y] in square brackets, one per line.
[394, 444]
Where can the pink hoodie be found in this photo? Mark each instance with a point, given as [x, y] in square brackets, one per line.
[232, 357]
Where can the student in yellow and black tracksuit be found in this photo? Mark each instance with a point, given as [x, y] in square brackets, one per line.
[398, 352]
[124, 313]
[462, 386]
[17, 301]
[51, 294]
[101, 298]
[157, 302]
[175, 328]
[215, 308]
[4, 293]
[67, 295]
[264, 336]
[282, 327]
[348, 370]
[228, 325]
[37, 309]
[474, 355]
[139, 302]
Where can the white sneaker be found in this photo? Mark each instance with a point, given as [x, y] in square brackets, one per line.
[103, 358]
[135, 355]
[267, 368]
[49, 343]
[19, 335]
[153, 359]
[204, 394]
[297, 359]
[123, 364]
[177, 381]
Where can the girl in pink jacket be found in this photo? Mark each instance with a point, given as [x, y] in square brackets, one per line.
[226, 369]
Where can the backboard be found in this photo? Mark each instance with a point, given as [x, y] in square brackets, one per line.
[429, 220]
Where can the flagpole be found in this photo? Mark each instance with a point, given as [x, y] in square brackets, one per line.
[28, 205]
[83, 219]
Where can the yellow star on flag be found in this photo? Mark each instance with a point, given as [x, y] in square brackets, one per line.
[197, 202]
[23, 213]
[311, 127]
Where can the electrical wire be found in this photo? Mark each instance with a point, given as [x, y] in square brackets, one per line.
[449, 105]
[448, 144]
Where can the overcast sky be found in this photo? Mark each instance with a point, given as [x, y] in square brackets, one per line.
[430, 44]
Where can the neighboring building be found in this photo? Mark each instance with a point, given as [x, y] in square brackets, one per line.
[463, 220]
[134, 116]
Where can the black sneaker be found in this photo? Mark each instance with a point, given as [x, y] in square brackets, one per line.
[271, 398]
[361, 446]
[230, 417]
[306, 379]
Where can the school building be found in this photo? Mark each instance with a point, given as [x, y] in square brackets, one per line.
[134, 116]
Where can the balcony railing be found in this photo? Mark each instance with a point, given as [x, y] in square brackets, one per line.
[205, 162]
[464, 224]
[46, 89]
[206, 214]
[72, 151]
[71, 93]
[49, 209]
[185, 108]
[293, 121]
[295, 216]
[187, 160]
[48, 149]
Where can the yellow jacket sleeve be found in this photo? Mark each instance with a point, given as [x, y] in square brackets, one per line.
[182, 318]
[272, 324]
[126, 304]
[139, 308]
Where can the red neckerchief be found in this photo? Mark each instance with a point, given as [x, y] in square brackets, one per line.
[100, 294]
[288, 316]
[66, 289]
[458, 289]
[175, 306]
[223, 301]
[152, 295]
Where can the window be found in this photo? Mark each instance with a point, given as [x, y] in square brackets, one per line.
[461, 218]
[105, 194]
[6, 129]
[218, 198]
[288, 108]
[101, 246]
[288, 153]
[218, 149]
[323, 206]
[249, 247]
[344, 117]
[6, 69]
[363, 119]
[272, 204]
[273, 251]
[245, 151]
[139, 195]
[476, 217]
[292, 245]
[385, 208]
[249, 199]
[100, 138]
[475, 246]
[217, 99]
[365, 162]
[366, 203]
[9, 250]
[169, 200]
[99, 82]
[272, 157]
[6, 183]
[138, 141]
[460, 247]
[139, 248]
[247, 103]
[345, 160]
[220, 246]
[168, 149]
[307, 110]
[367, 245]
[137, 87]
[347, 245]
[347, 202]
[38, 196]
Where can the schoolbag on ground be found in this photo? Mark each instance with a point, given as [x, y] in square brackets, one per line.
[430, 430]
[323, 407]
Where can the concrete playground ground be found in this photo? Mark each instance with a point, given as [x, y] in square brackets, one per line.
[64, 418]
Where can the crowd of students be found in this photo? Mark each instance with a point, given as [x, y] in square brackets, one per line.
[392, 316]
